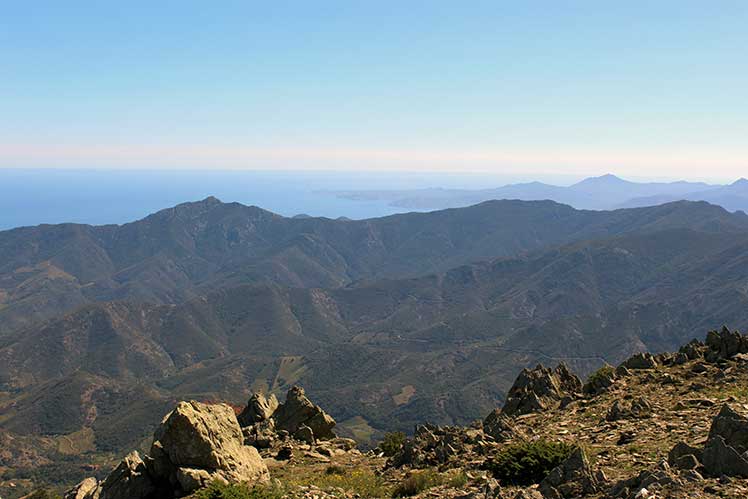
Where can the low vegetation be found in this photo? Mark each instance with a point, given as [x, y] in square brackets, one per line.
[528, 462]
[43, 494]
[417, 482]
[604, 372]
[218, 490]
[392, 443]
[359, 481]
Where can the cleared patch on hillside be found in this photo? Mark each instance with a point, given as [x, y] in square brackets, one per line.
[76, 443]
[290, 371]
[406, 393]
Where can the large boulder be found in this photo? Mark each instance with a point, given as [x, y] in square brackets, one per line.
[298, 411]
[540, 389]
[194, 445]
[640, 361]
[726, 449]
[129, 480]
[196, 436]
[501, 427]
[573, 478]
[259, 408]
[87, 489]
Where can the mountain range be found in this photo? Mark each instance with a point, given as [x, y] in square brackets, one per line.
[387, 322]
[606, 192]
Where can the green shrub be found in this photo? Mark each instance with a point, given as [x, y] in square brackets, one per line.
[334, 469]
[607, 371]
[528, 462]
[392, 443]
[458, 480]
[218, 490]
[42, 494]
[416, 482]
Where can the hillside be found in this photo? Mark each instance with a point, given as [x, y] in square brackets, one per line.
[175, 307]
[669, 426]
[186, 251]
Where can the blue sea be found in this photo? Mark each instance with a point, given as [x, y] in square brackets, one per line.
[32, 197]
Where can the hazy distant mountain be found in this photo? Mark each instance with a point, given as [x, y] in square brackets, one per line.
[387, 322]
[595, 193]
[732, 197]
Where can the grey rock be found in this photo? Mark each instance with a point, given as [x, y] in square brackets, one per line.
[573, 478]
[540, 389]
[190, 479]
[637, 408]
[87, 489]
[259, 408]
[725, 344]
[305, 434]
[682, 449]
[722, 459]
[600, 382]
[641, 361]
[501, 427]
[207, 437]
[298, 410]
[129, 480]
[260, 435]
[687, 462]
[732, 427]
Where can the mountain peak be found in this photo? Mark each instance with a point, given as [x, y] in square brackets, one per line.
[741, 182]
[603, 180]
[210, 200]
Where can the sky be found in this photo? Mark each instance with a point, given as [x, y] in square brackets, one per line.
[638, 88]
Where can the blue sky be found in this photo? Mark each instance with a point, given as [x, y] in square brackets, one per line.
[641, 88]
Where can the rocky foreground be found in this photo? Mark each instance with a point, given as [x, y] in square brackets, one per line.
[664, 426]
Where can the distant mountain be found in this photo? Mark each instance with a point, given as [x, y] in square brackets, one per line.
[186, 251]
[733, 197]
[387, 322]
[595, 193]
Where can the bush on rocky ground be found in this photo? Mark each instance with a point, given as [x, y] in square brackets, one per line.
[43, 494]
[416, 482]
[219, 490]
[527, 463]
[392, 443]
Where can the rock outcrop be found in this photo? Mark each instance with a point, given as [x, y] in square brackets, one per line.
[540, 389]
[573, 478]
[200, 443]
[433, 445]
[640, 361]
[726, 450]
[298, 411]
[259, 408]
[86, 489]
[501, 427]
[724, 344]
[195, 444]
[129, 480]
[264, 420]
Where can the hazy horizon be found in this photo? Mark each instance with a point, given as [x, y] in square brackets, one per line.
[30, 196]
[548, 89]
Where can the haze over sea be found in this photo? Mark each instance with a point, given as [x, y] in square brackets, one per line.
[37, 196]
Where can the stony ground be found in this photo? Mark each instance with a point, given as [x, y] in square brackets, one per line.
[624, 424]
[680, 404]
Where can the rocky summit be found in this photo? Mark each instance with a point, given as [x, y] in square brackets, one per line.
[671, 425]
